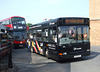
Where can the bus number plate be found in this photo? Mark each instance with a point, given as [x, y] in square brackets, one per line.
[77, 56]
[20, 45]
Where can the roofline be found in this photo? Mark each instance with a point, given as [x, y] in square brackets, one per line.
[10, 18]
[73, 17]
[56, 20]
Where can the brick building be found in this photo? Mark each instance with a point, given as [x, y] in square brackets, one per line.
[94, 14]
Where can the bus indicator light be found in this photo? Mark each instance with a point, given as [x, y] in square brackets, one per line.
[60, 54]
[47, 44]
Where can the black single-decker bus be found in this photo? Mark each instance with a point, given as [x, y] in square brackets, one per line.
[61, 38]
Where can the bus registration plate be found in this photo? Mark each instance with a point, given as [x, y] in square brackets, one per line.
[20, 45]
[77, 56]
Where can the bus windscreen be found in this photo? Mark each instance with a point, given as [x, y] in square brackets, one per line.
[73, 34]
[19, 35]
[18, 20]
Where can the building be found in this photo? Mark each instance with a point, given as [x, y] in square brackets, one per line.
[94, 14]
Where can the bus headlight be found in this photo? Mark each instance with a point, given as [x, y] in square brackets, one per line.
[64, 46]
[15, 27]
[65, 53]
[88, 50]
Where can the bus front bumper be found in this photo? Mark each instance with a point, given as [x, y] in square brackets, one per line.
[63, 57]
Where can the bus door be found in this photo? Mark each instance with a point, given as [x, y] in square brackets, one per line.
[78, 47]
[82, 42]
[34, 41]
[44, 41]
[52, 43]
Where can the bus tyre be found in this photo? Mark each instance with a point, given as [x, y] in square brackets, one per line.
[47, 53]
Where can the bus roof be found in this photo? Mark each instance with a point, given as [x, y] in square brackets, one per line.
[10, 18]
[55, 20]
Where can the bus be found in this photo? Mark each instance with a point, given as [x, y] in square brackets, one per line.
[17, 26]
[61, 38]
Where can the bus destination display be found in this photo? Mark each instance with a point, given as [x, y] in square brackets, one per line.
[76, 21]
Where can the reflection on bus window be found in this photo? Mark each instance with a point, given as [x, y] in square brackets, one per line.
[73, 34]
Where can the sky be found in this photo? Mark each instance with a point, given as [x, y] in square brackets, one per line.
[35, 11]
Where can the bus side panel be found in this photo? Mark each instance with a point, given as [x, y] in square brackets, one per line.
[39, 47]
[34, 47]
[52, 49]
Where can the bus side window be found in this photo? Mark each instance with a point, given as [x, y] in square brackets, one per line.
[30, 34]
[7, 22]
[10, 21]
[45, 35]
[53, 35]
[38, 35]
[3, 23]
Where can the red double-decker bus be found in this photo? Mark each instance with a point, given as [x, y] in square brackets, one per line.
[17, 26]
